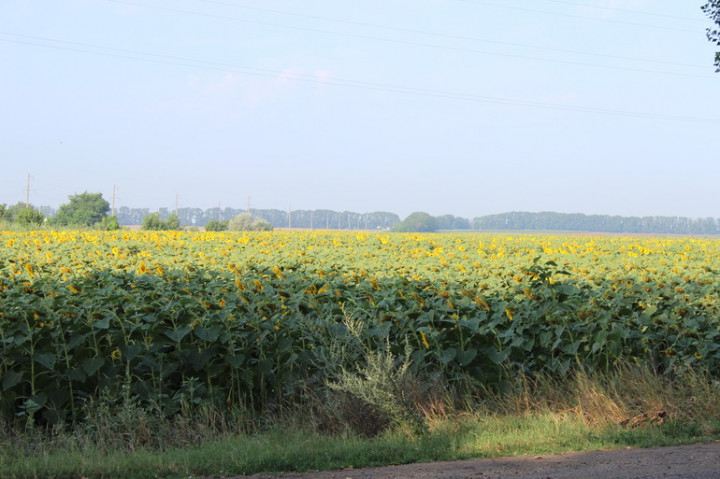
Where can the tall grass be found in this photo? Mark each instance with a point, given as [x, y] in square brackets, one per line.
[631, 406]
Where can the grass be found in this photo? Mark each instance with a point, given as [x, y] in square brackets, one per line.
[298, 450]
[542, 415]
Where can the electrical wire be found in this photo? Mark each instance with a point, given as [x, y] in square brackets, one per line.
[384, 87]
[619, 9]
[419, 44]
[445, 35]
[570, 15]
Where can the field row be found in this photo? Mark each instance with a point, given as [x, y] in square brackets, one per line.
[182, 318]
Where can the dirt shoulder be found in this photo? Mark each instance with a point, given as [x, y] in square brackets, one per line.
[699, 461]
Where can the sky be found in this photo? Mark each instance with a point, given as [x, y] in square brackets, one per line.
[462, 107]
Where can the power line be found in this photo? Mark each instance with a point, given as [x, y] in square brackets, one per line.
[619, 9]
[431, 45]
[384, 87]
[446, 35]
[570, 15]
[509, 55]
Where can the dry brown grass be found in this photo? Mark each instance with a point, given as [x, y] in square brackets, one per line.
[631, 395]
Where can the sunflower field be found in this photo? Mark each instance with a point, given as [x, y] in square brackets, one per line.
[183, 318]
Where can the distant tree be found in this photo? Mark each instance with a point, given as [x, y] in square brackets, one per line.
[172, 222]
[247, 222]
[152, 222]
[85, 209]
[21, 214]
[712, 10]
[28, 216]
[450, 222]
[215, 225]
[316, 219]
[131, 216]
[12, 211]
[419, 222]
[550, 221]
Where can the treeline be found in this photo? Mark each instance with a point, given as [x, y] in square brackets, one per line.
[422, 222]
[306, 219]
[91, 210]
[550, 221]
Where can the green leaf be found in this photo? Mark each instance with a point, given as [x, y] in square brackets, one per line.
[131, 351]
[198, 360]
[473, 324]
[150, 362]
[447, 355]
[236, 360]
[497, 357]
[338, 330]
[75, 340]
[46, 359]
[11, 379]
[465, 357]
[178, 334]
[76, 374]
[102, 324]
[92, 365]
[285, 344]
[265, 365]
[381, 330]
[571, 348]
[35, 403]
[208, 334]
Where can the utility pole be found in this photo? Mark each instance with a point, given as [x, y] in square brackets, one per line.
[113, 201]
[177, 200]
[27, 192]
[248, 208]
[220, 211]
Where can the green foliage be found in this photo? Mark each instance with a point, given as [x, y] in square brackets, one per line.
[712, 10]
[247, 222]
[152, 222]
[13, 210]
[450, 222]
[133, 331]
[551, 221]
[208, 336]
[109, 223]
[385, 382]
[172, 222]
[250, 320]
[305, 219]
[28, 217]
[21, 215]
[215, 225]
[121, 442]
[84, 209]
[418, 222]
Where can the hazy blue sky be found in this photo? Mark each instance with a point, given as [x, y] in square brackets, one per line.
[465, 107]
